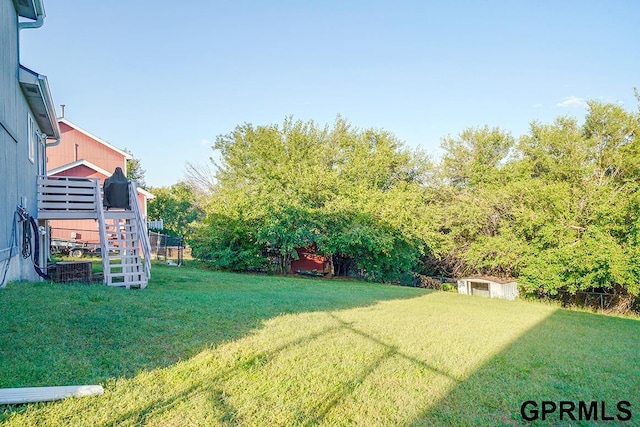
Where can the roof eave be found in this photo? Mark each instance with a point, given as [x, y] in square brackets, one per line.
[29, 9]
[145, 193]
[38, 95]
[77, 163]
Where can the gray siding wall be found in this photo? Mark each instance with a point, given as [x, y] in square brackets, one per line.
[17, 172]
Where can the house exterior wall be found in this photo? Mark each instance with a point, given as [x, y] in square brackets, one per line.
[84, 230]
[18, 173]
[142, 202]
[76, 145]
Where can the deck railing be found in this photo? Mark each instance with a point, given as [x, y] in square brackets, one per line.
[67, 197]
[81, 198]
[142, 226]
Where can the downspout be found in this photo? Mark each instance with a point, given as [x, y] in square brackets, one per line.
[39, 8]
[31, 24]
[52, 144]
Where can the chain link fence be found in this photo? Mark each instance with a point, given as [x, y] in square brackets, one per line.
[167, 248]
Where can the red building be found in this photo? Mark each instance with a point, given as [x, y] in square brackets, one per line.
[82, 154]
[309, 262]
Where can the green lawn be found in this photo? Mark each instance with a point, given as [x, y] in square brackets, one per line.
[206, 348]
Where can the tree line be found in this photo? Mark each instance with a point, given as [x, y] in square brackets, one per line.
[557, 208]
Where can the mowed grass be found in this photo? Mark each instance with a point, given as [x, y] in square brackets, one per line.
[205, 348]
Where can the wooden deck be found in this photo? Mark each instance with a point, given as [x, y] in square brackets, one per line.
[124, 243]
[68, 198]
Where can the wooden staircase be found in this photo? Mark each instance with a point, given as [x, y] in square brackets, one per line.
[125, 247]
[121, 256]
[124, 243]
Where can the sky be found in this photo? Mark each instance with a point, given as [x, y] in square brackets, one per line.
[163, 78]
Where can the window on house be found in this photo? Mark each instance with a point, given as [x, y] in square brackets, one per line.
[34, 139]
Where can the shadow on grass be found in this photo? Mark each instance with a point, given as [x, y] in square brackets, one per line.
[55, 334]
[569, 356]
[212, 386]
[345, 390]
[362, 354]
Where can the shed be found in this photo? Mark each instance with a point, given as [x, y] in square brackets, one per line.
[489, 287]
[309, 262]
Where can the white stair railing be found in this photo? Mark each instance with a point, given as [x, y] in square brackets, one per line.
[142, 226]
[102, 229]
[125, 263]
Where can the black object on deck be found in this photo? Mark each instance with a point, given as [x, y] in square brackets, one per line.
[116, 191]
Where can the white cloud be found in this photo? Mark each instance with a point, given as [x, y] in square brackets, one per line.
[610, 100]
[572, 101]
[205, 142]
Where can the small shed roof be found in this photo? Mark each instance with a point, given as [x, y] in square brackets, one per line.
[487, 279]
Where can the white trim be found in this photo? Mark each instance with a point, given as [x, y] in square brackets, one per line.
[92, 136]
[98, 169]
[76, 164]
[32, 130]
[36, 91]
[146, 194]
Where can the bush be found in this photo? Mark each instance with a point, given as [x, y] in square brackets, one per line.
[421, 281]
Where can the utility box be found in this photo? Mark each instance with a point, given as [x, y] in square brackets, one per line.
[116, 191]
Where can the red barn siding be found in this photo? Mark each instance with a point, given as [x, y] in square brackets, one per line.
[86, 230]
[142, 202]
[87, 148]
[309, 261]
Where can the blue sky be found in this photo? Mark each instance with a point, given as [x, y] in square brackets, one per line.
[164, 78]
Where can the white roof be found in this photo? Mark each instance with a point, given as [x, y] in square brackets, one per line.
[145, 193]
[76, 164]
[98, 169]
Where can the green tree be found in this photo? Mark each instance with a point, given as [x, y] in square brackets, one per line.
[587, 240]
[558, 208]
[474, 157]
[135, 172]
[177, 207]
[339, 188]
[471, 205]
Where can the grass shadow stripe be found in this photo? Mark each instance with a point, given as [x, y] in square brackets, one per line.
[395, 351]
[345, 389]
